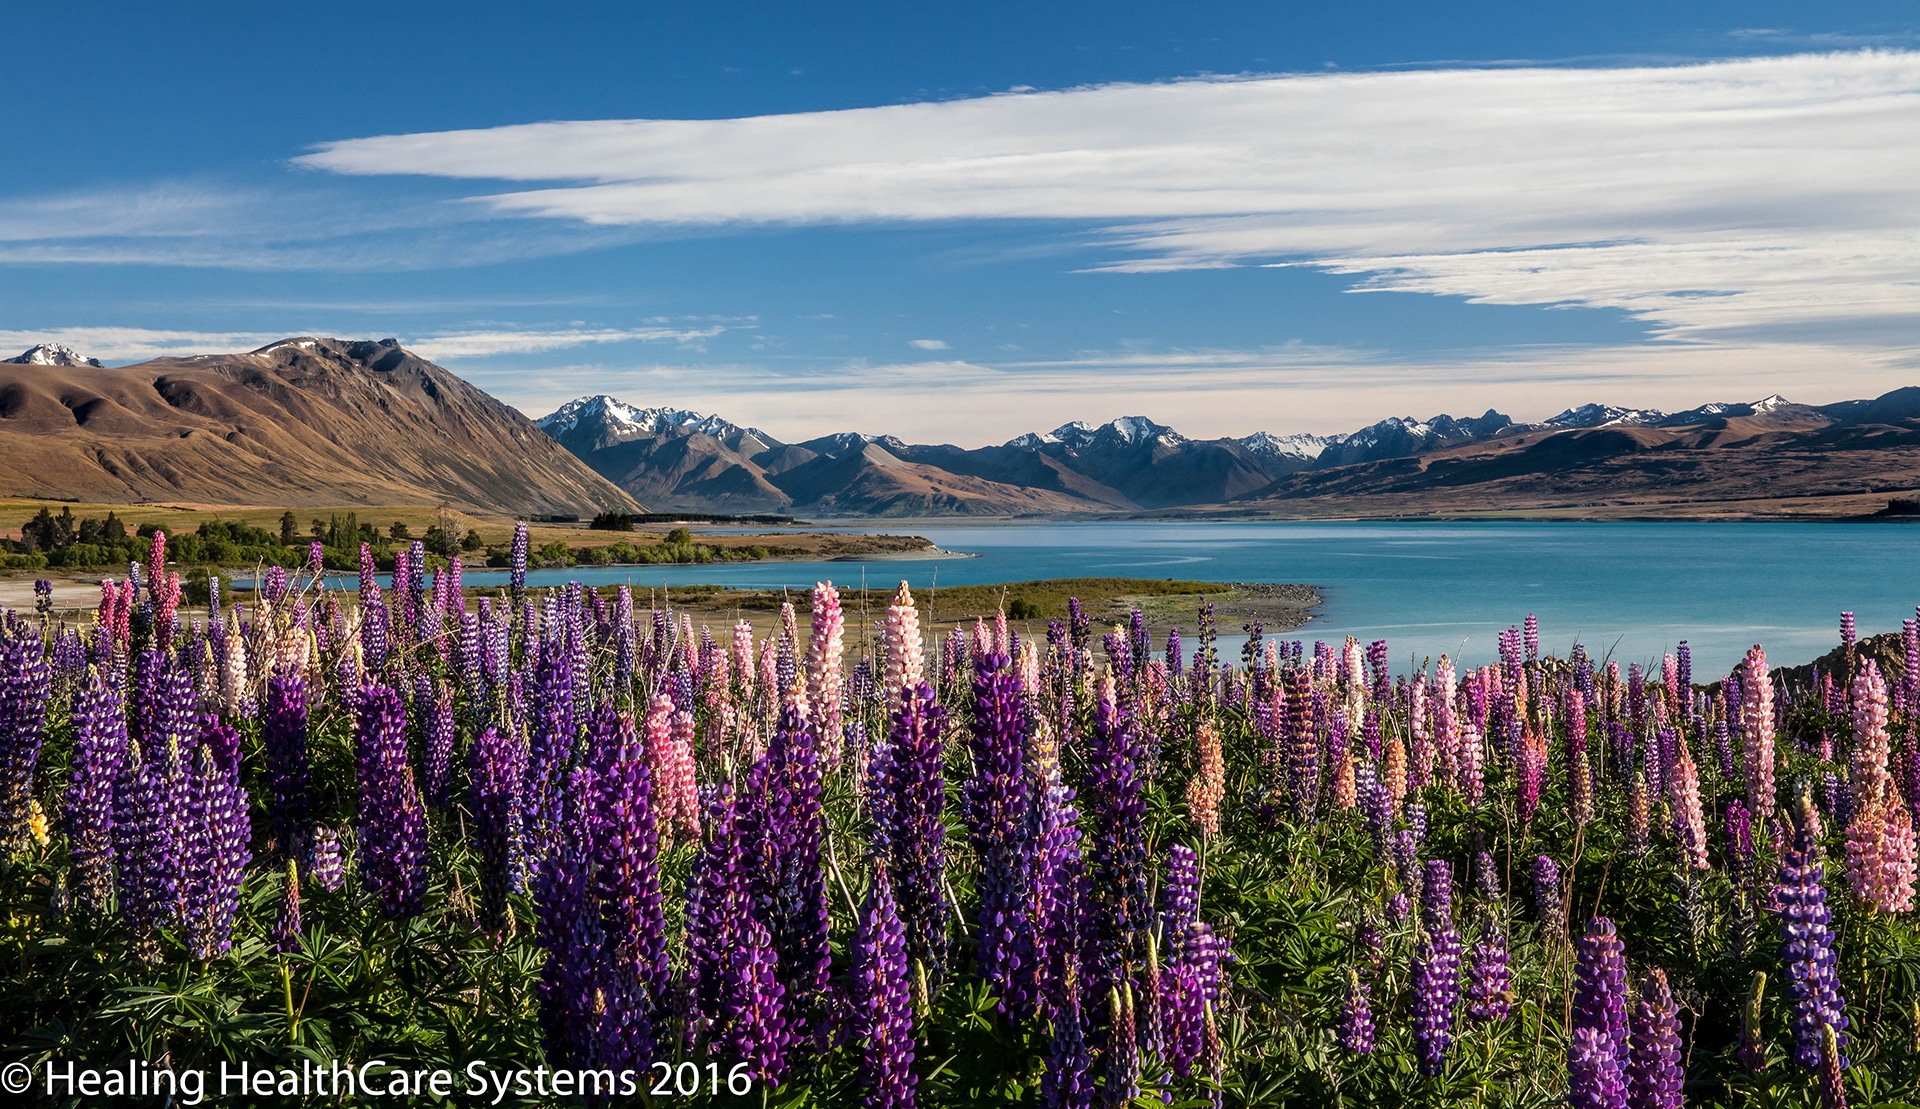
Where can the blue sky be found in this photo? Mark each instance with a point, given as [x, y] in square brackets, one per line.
[964, 224]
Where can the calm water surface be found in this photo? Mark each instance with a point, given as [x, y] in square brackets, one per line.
[1633, 588]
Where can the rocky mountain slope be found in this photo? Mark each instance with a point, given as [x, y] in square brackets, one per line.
[1592, 457]
[304, 421]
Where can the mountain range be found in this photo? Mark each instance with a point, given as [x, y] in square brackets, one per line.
[1595, 457]
[305, 421]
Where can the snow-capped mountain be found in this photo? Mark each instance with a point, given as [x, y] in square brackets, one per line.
[1265, 444]
[606, 420]
[1125, 431]
[52, 354]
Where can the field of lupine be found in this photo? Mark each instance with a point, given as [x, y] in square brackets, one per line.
[846, 866]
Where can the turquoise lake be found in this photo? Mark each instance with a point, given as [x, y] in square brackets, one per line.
[1635, 589]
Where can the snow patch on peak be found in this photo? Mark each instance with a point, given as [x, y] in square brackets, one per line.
[53, 354]
[1265, 444]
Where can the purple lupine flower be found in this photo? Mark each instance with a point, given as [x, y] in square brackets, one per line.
[1067, 1082]
[1654, 1073]
[99, 749]
[550, 737]
[785, 827]
[1847, 633]
[496, 775]
[882, 1005]
[218, 831]
[1486, 875]
[1399, 907]
[326, 862]
[1115, 790]
[1739, 842]
[1356, 1017]
[1175, 661]
[1489, 978]
[1058, 874]
[146, 852]
[283, 734]
[1302, 745]
[1683, 658]
[1594, 1079]
[628, 891]
[1180, 893]
[1436, 970]
[1532, 634]
[1596, 1056]
[435, 702]
[1806, 929]
[25, 683]
[391, 819]
[912, 844]
[996, 811]
[517, 563]
[737, 1000]
[1546, 890]
[573, 979]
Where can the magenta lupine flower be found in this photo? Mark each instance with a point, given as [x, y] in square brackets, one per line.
[1489, 978]
[1597, 1053]
[996, 813]
[1530, 770]
[99, 750]
[218, 830]
[1654, 1073]
[1356, 1017]
[1806, 929]
[391, 818]
[283, 731]
[25, 683]
[496, 772]
[881, 1001]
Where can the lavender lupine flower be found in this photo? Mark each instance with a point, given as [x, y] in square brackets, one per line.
[25, 683]
[1654, 1074]
[1436, 970]
[496, 772]
[914, 831]
[1806, 929]
[218, 830]
[285, 937]
[1489, 997]
[996, 804]
[1596, 1056]
[1356, 1017]
[881, 1001]
[1546, 890]
[283, 733]
[99, 749]
[391, 819]
[326, 862]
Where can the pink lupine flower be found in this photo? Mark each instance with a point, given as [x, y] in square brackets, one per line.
[743, 660]
[1870, 740]
[1756, 729]
[1396, 772]
[1689, 822]
[1472, 757]
[1209, 784]
[823, 671]
[905, 663]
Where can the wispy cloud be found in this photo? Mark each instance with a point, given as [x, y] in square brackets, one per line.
[127, 344]
[1782, 184]
[928, 344]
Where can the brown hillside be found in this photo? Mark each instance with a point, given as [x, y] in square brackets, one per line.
[302, 422]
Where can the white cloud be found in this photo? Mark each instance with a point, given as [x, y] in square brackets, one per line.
[928, 344]
[128, 344]
[1729, 195]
